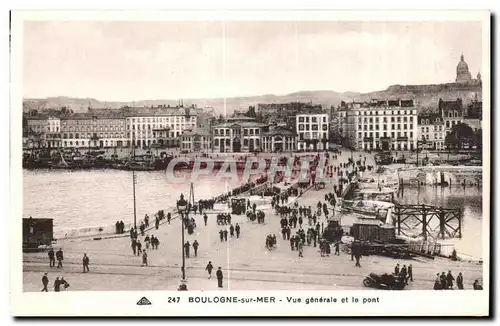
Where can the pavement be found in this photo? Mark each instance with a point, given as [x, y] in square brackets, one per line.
[246, 263]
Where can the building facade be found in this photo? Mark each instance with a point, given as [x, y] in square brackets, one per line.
[38, 127]
[98, 128]
[279, 139]
[432, 131]
[147, 126]
[312, 131]
[382, 125]
[452, 113]
[238, 136]
[196, 140]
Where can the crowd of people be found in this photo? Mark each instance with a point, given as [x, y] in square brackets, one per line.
[446, 281]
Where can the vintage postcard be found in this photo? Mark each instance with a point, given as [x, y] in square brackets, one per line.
[274, 163]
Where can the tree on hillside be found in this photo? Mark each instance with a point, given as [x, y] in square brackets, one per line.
[460, 134]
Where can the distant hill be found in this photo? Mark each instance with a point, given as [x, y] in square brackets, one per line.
[424, 95]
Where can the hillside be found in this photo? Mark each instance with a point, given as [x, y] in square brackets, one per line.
[424, 95]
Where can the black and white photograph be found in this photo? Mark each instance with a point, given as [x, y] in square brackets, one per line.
[211, 156]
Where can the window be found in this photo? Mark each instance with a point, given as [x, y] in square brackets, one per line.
[315, 127]
[314, 119]
[216, 142]
[76, 143]
[301, 127]
[245, 142]
[301, 119]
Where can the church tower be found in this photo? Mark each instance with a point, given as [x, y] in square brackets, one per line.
[463, 73]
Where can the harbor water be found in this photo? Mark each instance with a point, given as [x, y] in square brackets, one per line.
[99, 198]
[87, 200]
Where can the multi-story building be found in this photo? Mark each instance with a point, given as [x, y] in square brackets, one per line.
[196, 140]
[102, 128]
[37, 128]
[312, 131]
[279, 139]
[432, 131]
[238, 135]
[144, 125]
[452, 113]
[53, 134]
[382, 125]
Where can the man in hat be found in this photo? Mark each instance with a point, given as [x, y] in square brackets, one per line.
[219, 276]
[45, 282]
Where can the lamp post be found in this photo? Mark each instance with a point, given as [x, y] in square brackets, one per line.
[134, 180]
[182, 207]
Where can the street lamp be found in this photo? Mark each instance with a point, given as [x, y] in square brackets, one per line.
[182, 208]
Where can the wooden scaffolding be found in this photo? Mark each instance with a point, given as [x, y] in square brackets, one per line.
[433, 221]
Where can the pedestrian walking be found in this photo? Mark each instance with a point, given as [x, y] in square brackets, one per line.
[57, 285]
[231, 231]
[133, 245]
[86, 262]
[144, 259]
[220, 276]
[45, 283]
[205, 218]
[139, 247]
[449, 281]
[337, 248]
[404, 275]
[169, 217]
[221, 235]
[52, 260]
[147, 241]
[410, 272]
[60, 258]
[195, 247]
[209, 269]
[237, 229]
[225, 235]
[187, 245]
[443, 281]
[460, 281]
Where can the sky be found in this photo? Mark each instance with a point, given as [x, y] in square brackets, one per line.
[131, 61]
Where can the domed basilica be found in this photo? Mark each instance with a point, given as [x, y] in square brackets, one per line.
[463, 74]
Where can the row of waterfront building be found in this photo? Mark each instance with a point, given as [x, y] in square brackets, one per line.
[386, 125]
